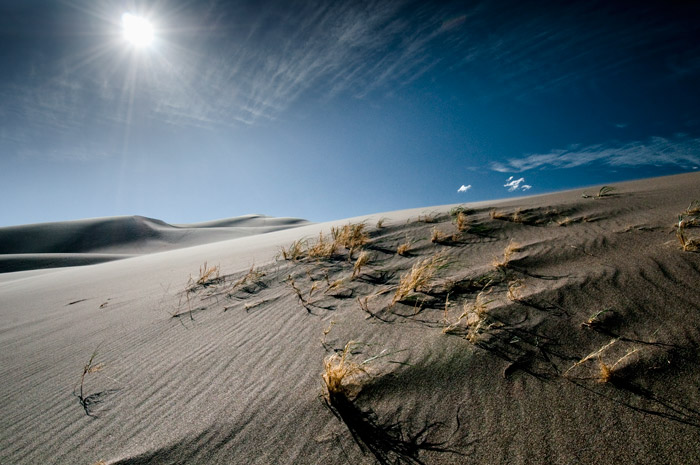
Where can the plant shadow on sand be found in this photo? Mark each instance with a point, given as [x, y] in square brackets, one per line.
[388, 442]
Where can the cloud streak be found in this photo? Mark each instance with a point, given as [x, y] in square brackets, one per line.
[464, 188]
[657, 151]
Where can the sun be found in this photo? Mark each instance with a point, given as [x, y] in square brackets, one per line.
[137, 30]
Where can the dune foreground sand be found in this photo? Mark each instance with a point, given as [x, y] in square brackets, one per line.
[554, 329]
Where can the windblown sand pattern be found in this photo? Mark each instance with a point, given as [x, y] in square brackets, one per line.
[560, 329]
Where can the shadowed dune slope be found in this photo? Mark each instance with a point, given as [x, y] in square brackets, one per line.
[547, 329]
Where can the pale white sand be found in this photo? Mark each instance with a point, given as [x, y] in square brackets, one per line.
[225, 384]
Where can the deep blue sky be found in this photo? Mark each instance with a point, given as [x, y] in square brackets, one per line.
[331, 109]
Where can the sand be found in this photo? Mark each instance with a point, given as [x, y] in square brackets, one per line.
[593, 358]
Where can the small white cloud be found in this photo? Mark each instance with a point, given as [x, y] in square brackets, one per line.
[515, 184]
[621, 125]
[464, 188]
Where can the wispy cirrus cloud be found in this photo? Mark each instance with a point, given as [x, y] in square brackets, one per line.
[464, 188]
[657, 151]
[231, 65]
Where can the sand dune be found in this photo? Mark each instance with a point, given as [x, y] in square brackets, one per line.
[97, 240]
[579, 345]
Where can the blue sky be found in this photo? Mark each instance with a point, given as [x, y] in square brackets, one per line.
[325, 109]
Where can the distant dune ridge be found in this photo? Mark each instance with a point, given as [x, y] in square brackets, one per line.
[96, 240]
[560, 328]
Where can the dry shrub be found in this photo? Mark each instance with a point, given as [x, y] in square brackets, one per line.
[420, 275]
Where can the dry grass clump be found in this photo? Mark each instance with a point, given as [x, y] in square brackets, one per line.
[339, 371]
[604, 191]
[596, 319]
[420, 275]
[380, 223]
[323, 248]
[566, 221]
[462, 221]
[404, 248]
[439, 237]
[361, 261]
[693, 208]
[350, 236]
[502, 263]
[498, 215]
[295, 251]
[606, 373]
[208, 275]
[473, 317]
[90, 367]
[253, 275]
[427, 218]
[515, 217]
[515, 290]
[687, 244]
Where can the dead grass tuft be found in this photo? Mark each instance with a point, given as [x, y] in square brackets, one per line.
[515, 290]
[693, 208]
[89, 368]
[404, 248]
[420, 275]
[439, 237]
[361, 261]
[323, 248]
[687, 244]
[472, 321]
[462, 222]
[253, 275]
[607, 373]
[339, 371]
[515, 217]
[207, 275]
[295, 251]
[605, 191]
[302, 300]
[351, 236]
[432, 218]
[502, 263]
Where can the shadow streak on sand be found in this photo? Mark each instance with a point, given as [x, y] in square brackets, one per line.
[387, 442]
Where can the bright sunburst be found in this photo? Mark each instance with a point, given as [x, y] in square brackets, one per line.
[137, 30]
